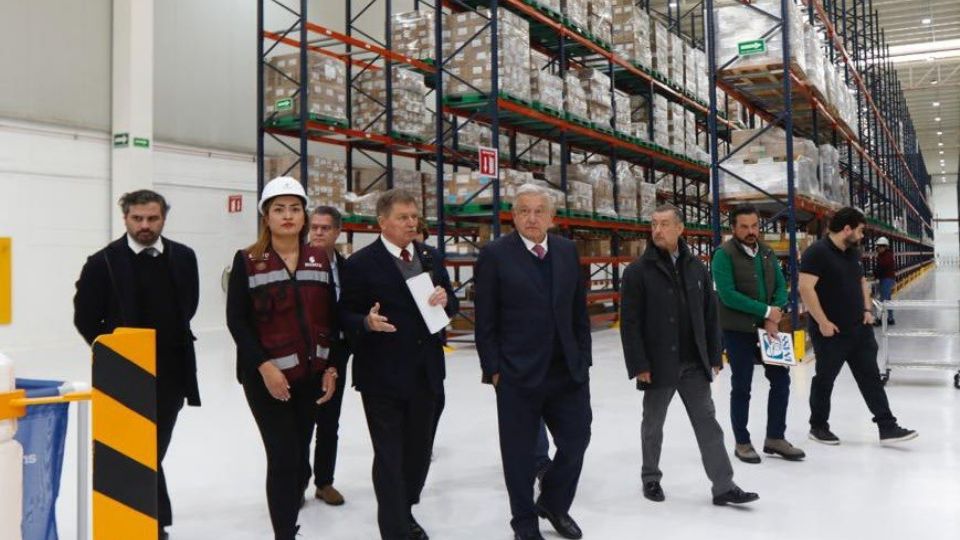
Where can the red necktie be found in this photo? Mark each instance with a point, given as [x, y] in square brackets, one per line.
[405, 255]
[540, 252]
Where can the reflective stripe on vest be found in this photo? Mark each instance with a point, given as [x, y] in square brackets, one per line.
[313, 275]
[266, 278]
[323, 352]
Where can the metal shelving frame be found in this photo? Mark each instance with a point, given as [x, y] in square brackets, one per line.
[886, 171]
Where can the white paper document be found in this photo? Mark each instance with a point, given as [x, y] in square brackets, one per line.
[421, 287]
[777, 351]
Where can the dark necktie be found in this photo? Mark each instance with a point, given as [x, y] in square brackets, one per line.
[539, 251]
[152, 252]
[405, 255]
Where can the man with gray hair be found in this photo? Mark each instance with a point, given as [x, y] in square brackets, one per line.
[671, 344]
[533, 338]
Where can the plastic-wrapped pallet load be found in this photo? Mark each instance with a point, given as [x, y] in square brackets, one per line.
[597, 88]
[816, 58]
[626, 191]
[579, 188]
[411, 181]
[640, 117]
[702, 69]
[410, 116]
[472, 63]
[578, 12]
[660, 47]
[646, 200]
[741, 30]
[661, 121]
[676, 60]
[369, 180]
[545, 87]
[599, 14]
[603, 199]
[677, 128]
[459, 187]
[430, 194]
[763, 163]
[622, 111]
[559, 198]
[690, 135]
[362, 205]
[574, 98]
[835, 188]
[533, 150]
[631, 32]
[413, 34]
[326, 90]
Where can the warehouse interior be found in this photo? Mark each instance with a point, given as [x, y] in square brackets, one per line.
[614, 106]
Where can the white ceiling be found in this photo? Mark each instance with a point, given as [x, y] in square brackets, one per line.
[927, 81]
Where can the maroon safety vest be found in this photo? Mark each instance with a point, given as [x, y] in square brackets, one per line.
[293, 312]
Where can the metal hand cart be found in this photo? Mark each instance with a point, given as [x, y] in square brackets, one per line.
[952, 360]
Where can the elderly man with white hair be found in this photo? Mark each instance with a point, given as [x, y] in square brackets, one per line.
[533, 338]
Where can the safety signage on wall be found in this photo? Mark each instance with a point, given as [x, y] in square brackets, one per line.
[489, 162]
[235, 204]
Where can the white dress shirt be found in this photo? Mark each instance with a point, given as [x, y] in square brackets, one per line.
[530, 243]
[395, 250]
[138, 248]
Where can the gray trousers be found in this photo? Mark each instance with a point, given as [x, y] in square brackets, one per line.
[694, 390]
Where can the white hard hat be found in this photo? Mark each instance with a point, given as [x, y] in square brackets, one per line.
[882, 241]
[282, 185]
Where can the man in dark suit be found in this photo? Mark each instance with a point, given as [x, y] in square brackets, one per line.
[325, 225]
[671, 345]
[398, 365]
[144, 280]
[533, 337]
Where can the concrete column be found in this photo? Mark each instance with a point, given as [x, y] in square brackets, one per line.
[132, 103]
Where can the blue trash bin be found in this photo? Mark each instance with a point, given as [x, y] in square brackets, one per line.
[42, 433]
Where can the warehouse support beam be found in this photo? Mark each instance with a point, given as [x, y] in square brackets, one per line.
[132, 103]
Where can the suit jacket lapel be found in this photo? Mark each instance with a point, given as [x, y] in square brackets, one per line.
[526, 262]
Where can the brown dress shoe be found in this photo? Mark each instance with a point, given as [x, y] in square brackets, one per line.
[783, 449]
[330, 495]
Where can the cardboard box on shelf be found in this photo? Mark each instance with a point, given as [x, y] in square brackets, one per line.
[577, 11]
[574, 96]
[631, 32]
[410, 115]
[599, 14]
[545, 87]
[413, 34]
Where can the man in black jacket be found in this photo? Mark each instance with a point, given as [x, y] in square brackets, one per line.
[144, 280]
[325, 225]
[398, 365]
[533, 338]
[671, 344]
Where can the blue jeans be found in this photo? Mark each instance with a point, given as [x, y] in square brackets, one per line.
[743, 352]
[886, 293]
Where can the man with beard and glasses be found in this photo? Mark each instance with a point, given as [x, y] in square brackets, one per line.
[837, 296]
[146, 280]
[752, 293]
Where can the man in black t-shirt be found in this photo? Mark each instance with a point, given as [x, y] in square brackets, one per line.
[837, 297]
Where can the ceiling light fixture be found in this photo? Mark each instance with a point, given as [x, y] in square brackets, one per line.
[937, 119]
[936, 103]
[940, 144]
[934, 82]
[925, 21]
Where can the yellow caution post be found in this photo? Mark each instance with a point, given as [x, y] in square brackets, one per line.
[799, 344]
[125, 435]
[6, 281]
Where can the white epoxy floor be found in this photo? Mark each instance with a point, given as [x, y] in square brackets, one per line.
[857, 490]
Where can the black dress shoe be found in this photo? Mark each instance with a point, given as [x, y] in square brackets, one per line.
[735, 496]
[529, 535]
[164, 535]
[562, 523]
[416, 531]
[653, 491]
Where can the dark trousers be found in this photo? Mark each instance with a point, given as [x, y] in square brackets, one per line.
[564, 405]
[694, 390]
[542, 451]
[402, 434]
[858, 348]
[743, 352]
[169, 403]
[286, 428]
[328, 424]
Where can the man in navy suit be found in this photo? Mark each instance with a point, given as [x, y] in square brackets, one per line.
[398, 365]
[533, 337]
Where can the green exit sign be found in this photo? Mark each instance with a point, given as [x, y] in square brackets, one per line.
[747, 48]
[284, 105]
[141, 142]
[121, 140]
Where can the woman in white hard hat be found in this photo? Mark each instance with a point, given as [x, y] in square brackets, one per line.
[281, 312]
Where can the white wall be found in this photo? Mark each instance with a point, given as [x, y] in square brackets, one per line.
[945, 206]
[55, 205]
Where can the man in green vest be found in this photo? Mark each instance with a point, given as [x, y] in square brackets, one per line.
[752, 292]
